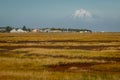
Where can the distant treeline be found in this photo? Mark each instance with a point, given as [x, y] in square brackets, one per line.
[68, 29]
[9, 28]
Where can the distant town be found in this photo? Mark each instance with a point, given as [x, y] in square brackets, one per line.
[24, 29]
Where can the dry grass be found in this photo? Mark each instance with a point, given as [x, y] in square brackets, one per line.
[59, 36]
[28, 56]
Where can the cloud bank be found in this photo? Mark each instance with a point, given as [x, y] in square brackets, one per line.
[82, 13]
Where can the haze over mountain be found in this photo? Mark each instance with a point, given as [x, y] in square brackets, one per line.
[97, 15]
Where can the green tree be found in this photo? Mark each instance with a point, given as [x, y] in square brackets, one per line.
[24, 28]
[8, 29]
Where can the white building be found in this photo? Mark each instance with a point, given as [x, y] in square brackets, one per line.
[17, 31]
[35, 30]
[21, 31]
[13, 31]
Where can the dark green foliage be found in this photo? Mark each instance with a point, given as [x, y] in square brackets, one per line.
[24, 28]
[8, 29]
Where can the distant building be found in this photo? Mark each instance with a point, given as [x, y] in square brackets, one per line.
[85, 31]
[35, 30]
[81, 31]
[21, 31]
[13, 31]
[17, 31]
[55, 31]
[2, 29]
[46, 30]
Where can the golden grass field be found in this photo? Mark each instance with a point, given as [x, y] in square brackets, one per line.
[59, 56]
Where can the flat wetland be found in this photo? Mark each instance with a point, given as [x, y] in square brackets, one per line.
[60, 56]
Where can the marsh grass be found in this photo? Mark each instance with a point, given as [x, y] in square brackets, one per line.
[19, 60]
[45, 75]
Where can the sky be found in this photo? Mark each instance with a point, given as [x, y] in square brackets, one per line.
[96, 15]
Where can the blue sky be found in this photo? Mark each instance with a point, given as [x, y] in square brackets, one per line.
[97, 15]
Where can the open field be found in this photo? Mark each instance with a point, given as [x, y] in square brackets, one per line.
[59, 56]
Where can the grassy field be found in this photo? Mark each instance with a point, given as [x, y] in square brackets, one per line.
[59, 56]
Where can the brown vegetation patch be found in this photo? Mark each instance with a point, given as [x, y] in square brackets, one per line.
[3, 51]
[85, 47]
[81, 41]
[80, 67]
[106, 59]
[72, 67]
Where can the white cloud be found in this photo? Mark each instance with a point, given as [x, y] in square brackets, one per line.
[82, 13]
